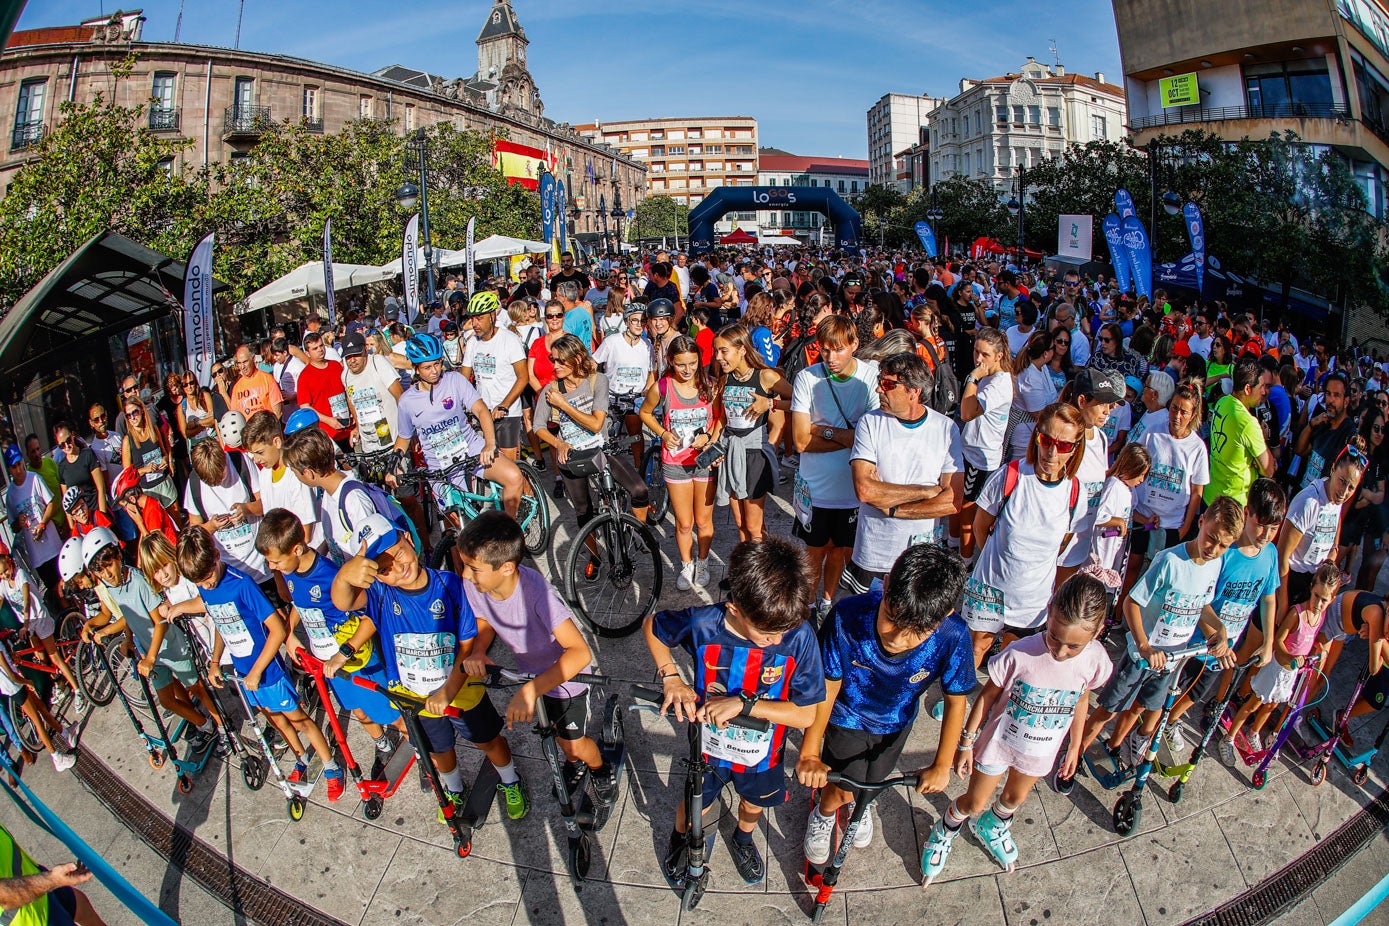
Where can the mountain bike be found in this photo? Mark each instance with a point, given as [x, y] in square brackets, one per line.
[478, 494]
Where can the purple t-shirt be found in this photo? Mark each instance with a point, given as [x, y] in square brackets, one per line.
[526, 623]
[439, 417]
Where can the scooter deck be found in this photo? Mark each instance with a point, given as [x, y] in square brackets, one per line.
[397, 767]
[311, 778]
[589, 805]
[481, 796]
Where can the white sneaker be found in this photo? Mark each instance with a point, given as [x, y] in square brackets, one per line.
[683, 582]
[1255, 741]
[819, 835]
[70, 733]
[1175, 740]
[701, 572]
[79, 703]
[1226, 749]
[62, 761]
[863, 837]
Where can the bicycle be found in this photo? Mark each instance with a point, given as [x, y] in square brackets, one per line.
[95, 685]
[654, 475]
[461, 505]
[613, 554]
[373, 466]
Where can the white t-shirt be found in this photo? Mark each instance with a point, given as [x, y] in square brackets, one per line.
[1091, 475]
[1201, 346]
[370, 394]
[983, 436]
[1080, 347]
[825, 477]
[237, 543]
[922, 454]
[1118, 422]
[282, 489]
[200, 622]
[13, 592]
[626, 365]
[1181, 468]
[1017, 338]
[1035, 391]
[491, 362]
[287, 378]
[1318, 519]
[341, 517]
[26, 503]
[1116, 501]
[1151, 423]
[108, 451]
[1017, 567]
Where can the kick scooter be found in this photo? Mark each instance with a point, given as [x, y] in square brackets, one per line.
[1183, 771]
[253, 768]
[1359, 765]
[160, 747]
[824, 877]
[1307, 668]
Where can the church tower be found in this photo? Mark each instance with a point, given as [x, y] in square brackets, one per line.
[501, 41]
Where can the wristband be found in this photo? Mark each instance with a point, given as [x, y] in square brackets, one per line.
[892, 512]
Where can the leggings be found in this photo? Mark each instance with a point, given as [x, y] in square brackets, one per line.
[620, 465]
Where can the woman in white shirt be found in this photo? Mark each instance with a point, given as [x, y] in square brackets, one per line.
[1169, 500]
[985, 404]
[1094, 393]
[1312, 532]
[1034, 391]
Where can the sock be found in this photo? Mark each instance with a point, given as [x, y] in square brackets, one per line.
[953, 819]
[383, 743]
[453, 781]
[1003, 812]
[742, 837]
[208, 727]
[330, 766]
[822, 815]
[301, 762]
[702, 563]
[508, 773]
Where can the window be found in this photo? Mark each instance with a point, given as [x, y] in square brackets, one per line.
[694, 133]
[675, 149]
[162, 91]
[713, 149]
[1034, 115]
[968, 170]
[409, 117]
[1001, 114]
[853, 186]
[1017, 115]
[245, 93]
[658, 151]
[1098, 130]
[978, 123]
[1289, 88]
[658, 135]
[364, 107]
[1054, 117]
[167, 166]
[676, 135]
[785, 218]
[310, 103]
[695, 149]
[841, 185]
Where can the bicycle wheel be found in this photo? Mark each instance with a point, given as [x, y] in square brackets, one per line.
[533, 513]
[28, 738]
[83, 657]
[626, 574]
[654, 477]
[123, 667]
[441, 558]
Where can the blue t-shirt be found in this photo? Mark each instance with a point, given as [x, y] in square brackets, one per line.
[1282, 406]
[239, 610]
[578, 322]
[1244, 581]
[727, 664]
[880, 690]
[769, 349]
[310, 591]
[420, 630]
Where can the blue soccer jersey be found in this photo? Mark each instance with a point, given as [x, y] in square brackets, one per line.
[239, 610]
[310, 591]
[881, 690]
[726, 664]
[420, 630]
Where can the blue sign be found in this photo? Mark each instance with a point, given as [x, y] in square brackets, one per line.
[1123, 203]
[1140, 248]
[1118, 254]
[928, 238]
[547, 206]
[1196, 231]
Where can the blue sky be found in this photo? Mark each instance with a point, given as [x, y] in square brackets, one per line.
[807, 70]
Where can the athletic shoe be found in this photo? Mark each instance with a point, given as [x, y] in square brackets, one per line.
[936, 851]
[198, 741]
[456, 800]
[1061, 784]
[863, 837]
[1225, 747]
[675, 863]
[820, 610]
[70, 734]
[559, 489]
[701, 572]
[334, 779]
[299, 773]
[63, 761]
[1255, 741]
[997, 838]
[221, 746]
[1175, 740]
[686, 577]
[1135, 748]
[79, 703]
[605, 784]
[938, 710]
[819, 837]
[748, 861]
[517, 803]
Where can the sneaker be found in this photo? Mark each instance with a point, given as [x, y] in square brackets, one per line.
[936, 851]
[938, 710]
[1060, 784]
[820, 610]
[997, 837]
[335, 782]
[675, 863]
[70, 733]
[701, 572]
[1225, 748]
[198, 741]
[79, 703]
[863, 836]
[517, 803]
[221, 746]
[1175, 740]
[299, 773]
[1255, 741]
[63, 761]
[819, 837]
[748, 861]
[686, 577]
[605, 784]
[1135, 748]
[559, 489]
[456, 800]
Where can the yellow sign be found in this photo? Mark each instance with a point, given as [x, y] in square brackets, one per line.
[1180, 90]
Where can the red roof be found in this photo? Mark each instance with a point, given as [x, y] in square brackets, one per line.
[795, 164]
[51, 35]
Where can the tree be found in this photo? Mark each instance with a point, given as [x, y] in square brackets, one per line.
[657, 216]
[969, 208]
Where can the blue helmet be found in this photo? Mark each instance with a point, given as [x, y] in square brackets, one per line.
[301, 419]
[422, 348]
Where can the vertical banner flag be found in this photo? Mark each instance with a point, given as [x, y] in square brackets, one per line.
[1123, 203]
[1140, 248]
[472, 227]
[329, 293]
[1118, 254]
[547, 211]
[197, 310]
[562, 215]
[410, 268]
[1075, 236]
[928, 238]
[1196, 230]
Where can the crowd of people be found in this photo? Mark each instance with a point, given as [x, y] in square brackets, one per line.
[990, 469]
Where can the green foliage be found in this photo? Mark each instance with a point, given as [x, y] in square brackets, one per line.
[969, 208]
[657, 216]
[878, 202]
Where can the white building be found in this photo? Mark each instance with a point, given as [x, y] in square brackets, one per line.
[996, 125]
[846, 176]
[895, 122]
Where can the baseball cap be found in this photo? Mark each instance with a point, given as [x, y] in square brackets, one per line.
[1100, 385]
[1181, 349]
[12, 456]
[353, 344]
[377, 533]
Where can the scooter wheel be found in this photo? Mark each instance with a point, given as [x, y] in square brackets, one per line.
[464, 849]
[818, 913]
[185, 784]
[1360, 775]
[156, 759]
[371, 808]
[694, 891]
[296, 809]
[1128, 813]
[1260, 779]
[1174, 793]
[1318, 773]
[253, 771]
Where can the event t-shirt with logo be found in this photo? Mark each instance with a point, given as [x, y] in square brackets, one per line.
[589, 397]
[439, 417]
[1181, 468]
[627, 365]
[1244, 582]
[311, 593]
[1318, 518]
[983, 434]
[823, 479]
[491, 362]
[420, 631]
[321, 389]
[26, 503]
[239, 610]
[370, 395]
[236, 543]
[1093, 466]
[1170, 597]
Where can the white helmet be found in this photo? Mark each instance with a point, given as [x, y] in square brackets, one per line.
[70, 563]
[230, 427]
[96, 540]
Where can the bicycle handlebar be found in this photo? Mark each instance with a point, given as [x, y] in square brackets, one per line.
[416, 476]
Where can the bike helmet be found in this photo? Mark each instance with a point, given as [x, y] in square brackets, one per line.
[483, 303]
[229, 429]
[94, 542]
[457, 297]
[423, 348]
[71, 498]
[660, 308]
[301, 419]
[129, 478]
[70, 563]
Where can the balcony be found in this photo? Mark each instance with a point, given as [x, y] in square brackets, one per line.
[245, 120]
[163, 119]
[313, 124]
[1183, 115]
[27, 135]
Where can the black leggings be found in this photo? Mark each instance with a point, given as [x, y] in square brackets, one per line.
[620, 465]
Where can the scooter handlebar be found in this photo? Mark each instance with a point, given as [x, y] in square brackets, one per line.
[1177, 655]
[656, 697]
[497, 673]
[401, 699]
[838, 779]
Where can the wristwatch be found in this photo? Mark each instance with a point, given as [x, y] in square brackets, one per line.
[748, 699]
[827, 433]
[347, 651]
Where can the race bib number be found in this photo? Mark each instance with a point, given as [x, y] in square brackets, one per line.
[935, 535]
[1180, 612]
[484, 366]
[321, 640]
[337, 404]
[424, 660]
[1324, 533]
[236, 636]
[737, 745]
[686, 422]
[1037, 719]
[800, 500]
[628, 379]
[237, 536]
[450, 444]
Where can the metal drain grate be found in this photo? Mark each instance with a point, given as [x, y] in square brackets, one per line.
[1286, 887]
[241, 892]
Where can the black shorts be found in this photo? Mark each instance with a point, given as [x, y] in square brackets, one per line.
[759, 476]
[1199, 680]
[1130, 684]
[508, 431]
[1376, 689]
[480, 724]
[974, 481]
[862, 755]
[1299, 586]
[856, 580]
[828, 527]
[569, 715]
[766, 788]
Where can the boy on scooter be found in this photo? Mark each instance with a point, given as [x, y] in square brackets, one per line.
[754, 656]
[425, 626]
[517, 604]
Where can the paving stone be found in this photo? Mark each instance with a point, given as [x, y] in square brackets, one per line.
[1327, 806]
[962, 902]
[1261, 831]
[1180, 871]
[1090, 888]
[423, 889]
[735, 909]
[1358, 875]
[549, 901]
[336, 864]
[1306, 913]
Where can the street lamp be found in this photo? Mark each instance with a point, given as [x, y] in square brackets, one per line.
[603, 214]
[417, 145]
[1018, 206]
[1171, 203]
[574, 213]
[617, 215]
[882, 232]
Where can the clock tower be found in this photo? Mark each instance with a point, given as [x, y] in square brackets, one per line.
[501, 60]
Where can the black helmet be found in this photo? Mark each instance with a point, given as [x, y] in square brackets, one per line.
[660, 308]
[457, 296]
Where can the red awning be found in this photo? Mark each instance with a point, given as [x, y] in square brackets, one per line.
[739, 236]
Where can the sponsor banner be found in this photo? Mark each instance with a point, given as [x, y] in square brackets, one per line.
[198, 316]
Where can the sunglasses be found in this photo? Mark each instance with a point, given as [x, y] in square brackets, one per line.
[1106, 340]
[130, 390]
[887, 385]
[1378, 429]
[1047, 442]
[550, 317]
[190, 384]
[1061, 343]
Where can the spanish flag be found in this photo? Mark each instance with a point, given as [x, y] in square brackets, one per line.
[520, 163]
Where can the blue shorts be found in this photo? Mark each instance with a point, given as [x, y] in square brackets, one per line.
[762, 789]
[277, 697]
[480, 724]
[354, 697]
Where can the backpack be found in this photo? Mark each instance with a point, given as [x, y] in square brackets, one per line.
[801, 352]
[238, 465]
[1010, 482]
[945, 391]
[385, 505]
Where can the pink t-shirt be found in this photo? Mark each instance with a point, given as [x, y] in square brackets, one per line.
[1039, 695]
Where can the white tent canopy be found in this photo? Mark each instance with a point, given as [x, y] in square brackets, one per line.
[307, 280]
[443, 257]
[498, 246]
[777, 239]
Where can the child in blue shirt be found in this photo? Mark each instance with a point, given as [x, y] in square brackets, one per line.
[424, 625]
[250, 628]
[754, 656]
[882, 651]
